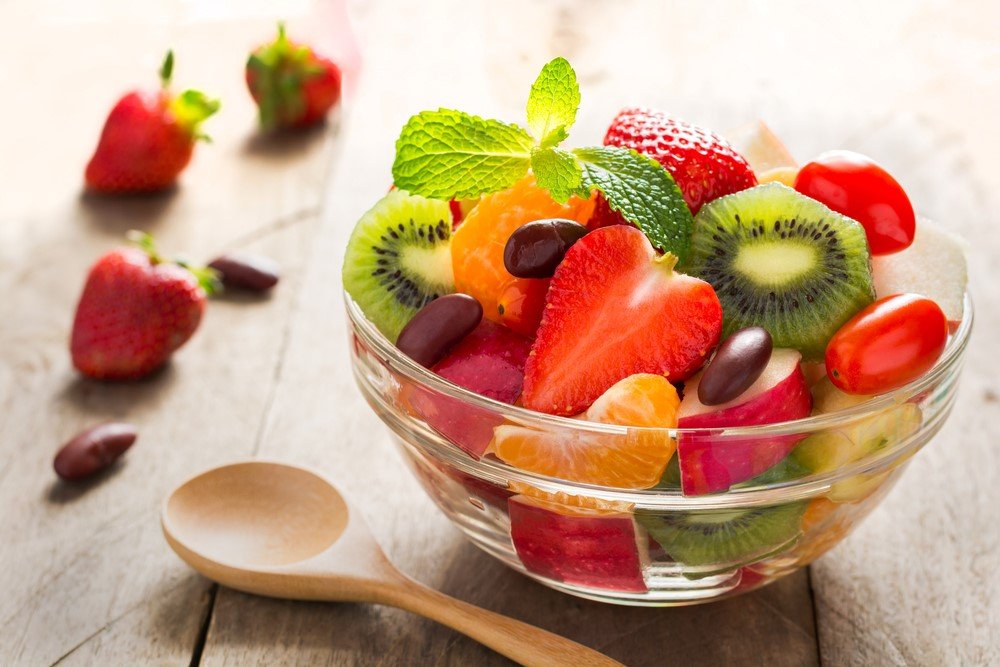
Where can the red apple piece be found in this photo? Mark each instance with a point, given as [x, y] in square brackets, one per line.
[711, 463]
[595, 548]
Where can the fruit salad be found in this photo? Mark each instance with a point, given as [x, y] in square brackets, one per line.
[695, 297]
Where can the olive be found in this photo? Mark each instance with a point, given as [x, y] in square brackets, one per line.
[439, 326]
[534, 250]
[736, 365]
[250, 272]
[93, 450]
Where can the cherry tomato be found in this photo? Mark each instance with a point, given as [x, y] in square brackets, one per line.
[886, 345]
[521, 303]
[859, 188]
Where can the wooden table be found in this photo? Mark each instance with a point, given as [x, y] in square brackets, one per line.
[85, 576]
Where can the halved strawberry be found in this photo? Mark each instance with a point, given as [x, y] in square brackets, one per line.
[616, 308]
[705, 165]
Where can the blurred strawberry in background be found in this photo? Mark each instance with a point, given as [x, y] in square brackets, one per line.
[148, 138]
[292, 85]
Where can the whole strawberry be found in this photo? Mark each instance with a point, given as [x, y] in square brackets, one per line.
[292, 85]
[148, 138]
[702, 163]
[135, 310]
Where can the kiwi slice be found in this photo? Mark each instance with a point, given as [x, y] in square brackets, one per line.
[782, 261]
[723, 538]
[398, 259]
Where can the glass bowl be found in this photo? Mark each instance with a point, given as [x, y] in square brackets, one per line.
[656, 546]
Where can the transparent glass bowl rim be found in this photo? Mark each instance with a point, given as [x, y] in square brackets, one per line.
[808, 486]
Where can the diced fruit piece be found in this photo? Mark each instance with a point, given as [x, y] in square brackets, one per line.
[584, 547]
[783, 175]
[831, 449]
[761, 148]
[887, 345]
[478, 245]
[439, 326]
[710, 463]
[704, 165]
[711, 541]
[490, 362]
[861, 189]
[520, 305]
[398, 260]
[293, 85]
[633, 461]
[614, 308]
[933, 265]
[784, 262]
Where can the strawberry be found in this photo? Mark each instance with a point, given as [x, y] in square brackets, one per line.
[704, 165]
[616, 308]
[292, 85]
[135, 310]
[148, 138]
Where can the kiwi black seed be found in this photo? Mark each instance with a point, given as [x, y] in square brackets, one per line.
[724, 538]
[398, 259]
[784, 262]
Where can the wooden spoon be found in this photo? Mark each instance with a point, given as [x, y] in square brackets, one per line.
[283, 531]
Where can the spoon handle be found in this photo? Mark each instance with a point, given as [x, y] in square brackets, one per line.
[518, 641]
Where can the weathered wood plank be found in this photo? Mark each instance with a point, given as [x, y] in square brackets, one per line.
[84, 571]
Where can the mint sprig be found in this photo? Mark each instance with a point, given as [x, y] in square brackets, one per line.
[448, 154]
[642, 191]
[553, 102]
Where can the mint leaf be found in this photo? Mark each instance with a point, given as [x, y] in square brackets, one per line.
[645, 193]
[559, 172]
[552, 103]
[448, 154]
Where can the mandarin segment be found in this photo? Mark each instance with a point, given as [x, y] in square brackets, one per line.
[635, 460]
[478, 244]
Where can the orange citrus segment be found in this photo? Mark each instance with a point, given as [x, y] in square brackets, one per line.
[477, 245]
[632, 461]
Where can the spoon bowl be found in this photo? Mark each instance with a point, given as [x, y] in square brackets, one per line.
[283, 531]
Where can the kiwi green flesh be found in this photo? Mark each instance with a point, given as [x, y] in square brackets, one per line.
[398, 259]
[780, 260]
[722, 539]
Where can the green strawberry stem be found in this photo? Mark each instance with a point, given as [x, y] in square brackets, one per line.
[667, 261]
[208, 278]
[167, 69]
[191, 108]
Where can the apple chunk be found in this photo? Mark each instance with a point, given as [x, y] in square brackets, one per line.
[709, 462]
[490, 362]
[596, 548]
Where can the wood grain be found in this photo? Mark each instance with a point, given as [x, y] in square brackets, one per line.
[85, 574]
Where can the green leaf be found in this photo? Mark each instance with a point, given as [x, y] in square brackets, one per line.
[645, 193]
[167, 69]
[559, 172]
[552, 103]
[448, 154]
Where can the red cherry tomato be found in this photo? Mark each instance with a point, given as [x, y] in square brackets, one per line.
[888, 344]
[859, 188]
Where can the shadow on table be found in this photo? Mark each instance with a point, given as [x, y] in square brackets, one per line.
[117, 398]
[117, 214]
[61, 492]
[288, 143]
[773, 625]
